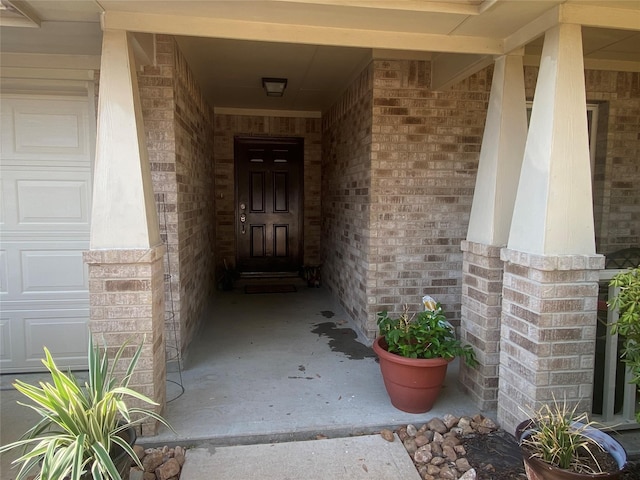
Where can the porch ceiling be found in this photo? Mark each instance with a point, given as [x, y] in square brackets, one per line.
[319, 45]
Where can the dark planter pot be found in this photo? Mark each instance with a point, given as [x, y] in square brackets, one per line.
[538, 470]
[413, 384]
[121, 459]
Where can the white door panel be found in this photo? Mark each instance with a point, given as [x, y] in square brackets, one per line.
[45, 200]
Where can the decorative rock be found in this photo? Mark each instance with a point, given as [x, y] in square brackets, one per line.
[447, 473]
[449, 453]
[422, 471]
[452, 441]
[464, 422]
[433, 470]
[423, 454]
[180, 457]
[159, 463]
[460, 450]
[462, 464]
[469, 475]
[136, 474]
[152, 460]
[169, 469]
[437, 425]
[450, 421]
[488, 423]
[429, 434]
[410, 445]
[421, 440]
[387, 435]
[436, 449]
[139, 451]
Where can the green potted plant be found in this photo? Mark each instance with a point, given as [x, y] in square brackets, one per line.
[627, 301]
[86, 430]
[557, 444]
[414, 351]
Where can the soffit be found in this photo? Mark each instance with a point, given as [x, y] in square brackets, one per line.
[229, 69]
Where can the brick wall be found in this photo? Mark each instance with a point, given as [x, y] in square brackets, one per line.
[346, 199]
[229, 126]
[196, 198]
[179, 129]
[426, 147]
[617, 169]
[424, 151]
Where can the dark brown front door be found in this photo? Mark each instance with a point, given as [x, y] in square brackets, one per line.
[269, 204]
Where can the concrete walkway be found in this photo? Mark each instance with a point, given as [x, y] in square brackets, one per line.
[368, 457]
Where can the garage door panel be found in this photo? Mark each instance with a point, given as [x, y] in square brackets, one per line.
[48, 271]
[4, 274]
[2, 204]
[6, 340]
[33, 126]
[44, 329]
[23, 334]
[46, 201]
[52, 202]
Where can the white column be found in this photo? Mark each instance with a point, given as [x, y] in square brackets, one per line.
[501, 155]
[124, 214]
[553, 213]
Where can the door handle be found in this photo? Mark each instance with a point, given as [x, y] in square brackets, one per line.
[243, 219]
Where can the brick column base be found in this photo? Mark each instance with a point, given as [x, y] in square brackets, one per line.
[480, 327]
[126, 289]
[547, 349]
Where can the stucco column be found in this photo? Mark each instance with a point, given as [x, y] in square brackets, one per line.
[551, 269]
[494, 196]
[125, 259]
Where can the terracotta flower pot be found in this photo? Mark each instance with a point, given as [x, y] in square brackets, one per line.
[413, 384]
[538, 470]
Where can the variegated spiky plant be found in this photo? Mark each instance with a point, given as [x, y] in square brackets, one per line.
[80, 424]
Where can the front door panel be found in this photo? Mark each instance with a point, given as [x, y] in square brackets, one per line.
[269, 204]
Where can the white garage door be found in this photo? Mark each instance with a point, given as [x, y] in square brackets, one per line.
[45, 198]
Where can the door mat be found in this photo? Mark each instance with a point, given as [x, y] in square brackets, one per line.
[284, 288]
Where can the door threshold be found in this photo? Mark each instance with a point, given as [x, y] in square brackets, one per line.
[249, 275]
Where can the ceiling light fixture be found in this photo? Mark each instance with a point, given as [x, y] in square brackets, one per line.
[274, 86]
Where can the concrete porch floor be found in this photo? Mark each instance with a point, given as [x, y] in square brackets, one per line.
[285, 366]
[270, 368]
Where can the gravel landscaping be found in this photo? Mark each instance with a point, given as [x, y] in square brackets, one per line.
[468, 448]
